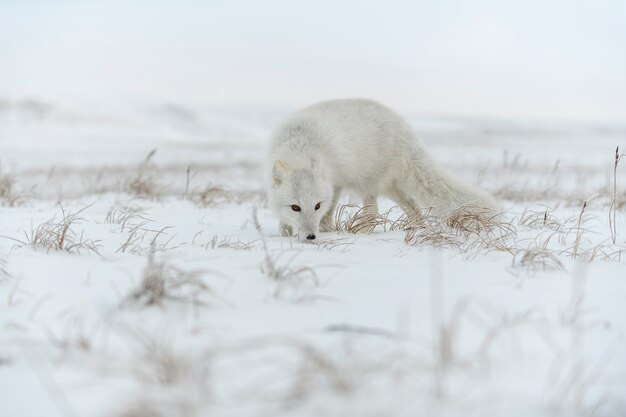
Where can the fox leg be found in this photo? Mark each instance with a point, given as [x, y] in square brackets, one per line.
[327, 223]
[370, 205]
[370, 212]
[408, 204]
[285, 229]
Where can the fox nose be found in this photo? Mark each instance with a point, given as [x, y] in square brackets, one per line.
[311, 236]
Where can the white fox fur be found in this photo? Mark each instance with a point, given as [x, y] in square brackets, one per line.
[362, 146]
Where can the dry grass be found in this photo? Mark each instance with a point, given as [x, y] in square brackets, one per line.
[474, 219]
[353, 368]
[4, 273]
[9, 195]
[162, 364]
[307, 369]
[74, 336]
[361, 220]
[162, 281]
[147, 408]
[126, 216]
[176, 383]
[352, 218]
[604, 251]
[466, 228]
[286, 276]
[57, 234]
[433, 232]
[224, 243]
[469, 226]
[332, 244]
[540, 219]
[535, 259]
[134, 221]
[214, 195]
[568, 237]
[138, 234]
[144, 181]
[579, 230]
[573, 390]
[447, 335]
[340, 371]
[150, 180]
[583, 248]
[614, 203]
[473, 232]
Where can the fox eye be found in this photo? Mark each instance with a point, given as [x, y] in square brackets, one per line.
[317, 206]
[295, 207]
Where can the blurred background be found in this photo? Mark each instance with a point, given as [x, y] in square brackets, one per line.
[485, 83]
[533, 60]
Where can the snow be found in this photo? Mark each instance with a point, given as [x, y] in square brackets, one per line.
[359, 325]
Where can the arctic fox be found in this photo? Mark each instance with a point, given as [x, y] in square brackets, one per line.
[360, 145]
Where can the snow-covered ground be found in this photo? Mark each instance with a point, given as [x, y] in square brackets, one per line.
[165, 299]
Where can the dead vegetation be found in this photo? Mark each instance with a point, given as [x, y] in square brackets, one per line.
[288, 278]
[475, 219]
[540, 219]
[536, 239]
[126, 216]
[214, 195]
[57, 234]
[162, 281]
[468, 228]
[162, 364]
[352, 218]
[332, 244]
[177, 382]
[535, 259]
[75, 335]
[9, 195]
[138, 234]
[223, 243]
[143, 183]
[432, 231]
[357, 362]
[614, 202]
[141, 239]
[4, 273]
[340, 371]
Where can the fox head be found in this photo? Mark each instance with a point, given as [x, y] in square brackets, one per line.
[300, 197]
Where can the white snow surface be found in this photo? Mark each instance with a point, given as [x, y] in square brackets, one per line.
[357, 325]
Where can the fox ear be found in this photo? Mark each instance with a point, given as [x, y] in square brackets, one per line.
[278, 172]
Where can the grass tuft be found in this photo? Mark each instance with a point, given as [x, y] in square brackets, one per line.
[9, 196]
[126, 216]
[614, 203]
[161, 281]
[224, 243]
[57, 234]
[537, 259]
[4, 273]
[214, 195]
[350, 218]
[285, 275]
[144, 181]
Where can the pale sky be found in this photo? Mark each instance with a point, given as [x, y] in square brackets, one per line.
[545, 60]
